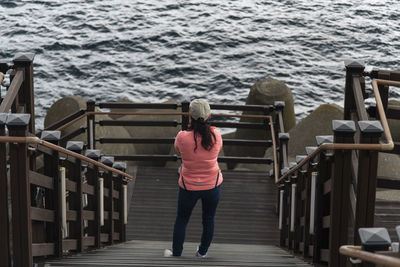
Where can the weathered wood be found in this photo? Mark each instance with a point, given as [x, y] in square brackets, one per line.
[359, 99]
[12, 92]
[116, 105]
[53, 230]
[388, 182]
[21, 200]
[65, 120]
[42, 249]
[138, 123]
[352, 68]
[393, 112]
[40, 214]
[366, 190]
[266, 143]
[41, 180]
[150, 253]
[5, 258]
[90, 125]
[26, 92]
[339, 206]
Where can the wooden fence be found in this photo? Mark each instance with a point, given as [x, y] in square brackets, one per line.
[54, 201]
[330, 192]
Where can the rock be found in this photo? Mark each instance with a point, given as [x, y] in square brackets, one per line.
[319, 122]
[151, 132]
[264, 92]
[70, 104]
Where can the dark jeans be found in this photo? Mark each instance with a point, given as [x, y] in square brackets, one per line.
[186, 202]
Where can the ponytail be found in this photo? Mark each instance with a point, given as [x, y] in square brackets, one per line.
[203, 128]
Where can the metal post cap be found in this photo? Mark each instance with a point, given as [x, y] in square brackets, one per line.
[119, 165]
[374, 239]
[300, 158]
[107, 160]
[92, 154]
[18, 120]
[343, 126]
[324, 139]
[284, 136]
[51, 136]
[370, 126]
[76, 146]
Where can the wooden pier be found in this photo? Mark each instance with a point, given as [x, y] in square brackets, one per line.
[66, 203]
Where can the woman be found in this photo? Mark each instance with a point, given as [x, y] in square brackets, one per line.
[200, 177]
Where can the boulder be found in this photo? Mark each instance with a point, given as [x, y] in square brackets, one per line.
[151, 131]
[318, 122]
[264, 92]
[70, 104]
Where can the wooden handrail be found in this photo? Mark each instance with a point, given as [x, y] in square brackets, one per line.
[12, 92]
[379, 259]
[36, 140]
[389, 145]
[154, 113]
[271, 124]
[1, 77]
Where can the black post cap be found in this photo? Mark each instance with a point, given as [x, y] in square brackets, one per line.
[51, 136]
[119, 165]
[92, 154]
[75, 146]
[3, 119]
[284, 170]
[324, 139]
[343, 126]
[15, 121]
[24, 58]
[107, 160]
[299, 158]
[279, 105]
[310, 149]
[370, 127]
[354, 64]
[284, 136]
[374, 238]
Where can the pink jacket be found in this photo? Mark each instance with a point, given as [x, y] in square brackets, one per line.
[199, 168]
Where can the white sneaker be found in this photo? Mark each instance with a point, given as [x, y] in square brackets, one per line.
[168, 253]
[199, 256]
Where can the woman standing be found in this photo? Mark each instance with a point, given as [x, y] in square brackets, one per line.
[200, 177]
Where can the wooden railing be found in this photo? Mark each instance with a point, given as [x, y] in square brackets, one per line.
[268, 116]
[331, 190]
[60, 201]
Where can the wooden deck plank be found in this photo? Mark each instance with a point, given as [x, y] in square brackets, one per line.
[245, 214]
[150, 253]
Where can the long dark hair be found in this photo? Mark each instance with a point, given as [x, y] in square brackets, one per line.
[203, 128]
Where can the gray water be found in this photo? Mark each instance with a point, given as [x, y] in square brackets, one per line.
[152, 51]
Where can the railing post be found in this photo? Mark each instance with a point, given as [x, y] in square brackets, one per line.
[352, 67]
[283, 150]
[366, 180]
[92, 177]
[321, 205]
[185, 118]
[20, 192]
[77, 231]
[340, 190]
[123, 201]
[26, 95]
[91, 125]
[5, 258]
[109, 205]
[52, 197]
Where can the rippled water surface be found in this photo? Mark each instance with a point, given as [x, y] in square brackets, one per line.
[152, 51]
